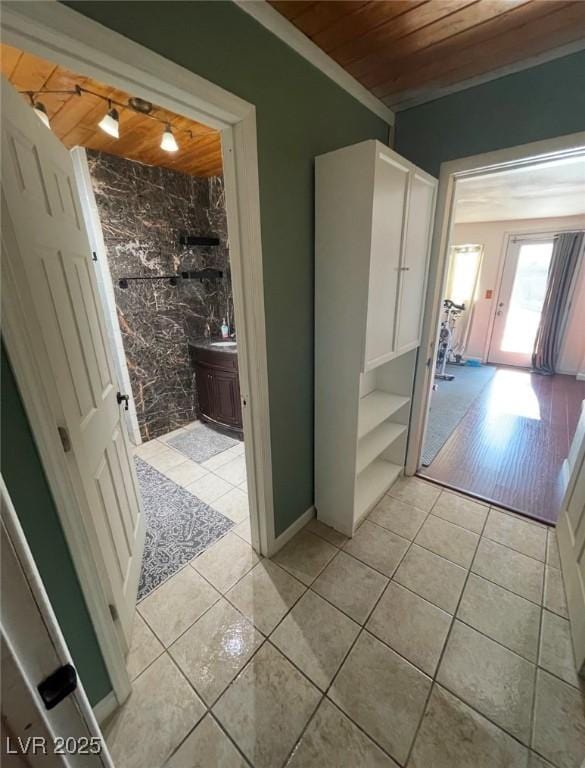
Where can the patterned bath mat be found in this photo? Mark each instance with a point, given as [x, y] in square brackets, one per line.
[178, 527]
[201, 443]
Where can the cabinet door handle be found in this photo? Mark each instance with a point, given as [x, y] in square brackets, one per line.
[403, 269]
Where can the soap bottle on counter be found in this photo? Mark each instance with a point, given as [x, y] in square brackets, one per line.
[225, 331]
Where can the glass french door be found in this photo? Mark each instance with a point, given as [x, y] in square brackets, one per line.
[520, 302]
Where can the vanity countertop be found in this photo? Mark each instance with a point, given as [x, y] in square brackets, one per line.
[215, 344]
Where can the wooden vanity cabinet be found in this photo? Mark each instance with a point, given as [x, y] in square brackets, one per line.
[218, 387]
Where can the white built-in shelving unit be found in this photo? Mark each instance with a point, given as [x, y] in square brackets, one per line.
[374, 213]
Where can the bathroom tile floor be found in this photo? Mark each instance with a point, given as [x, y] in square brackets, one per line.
[442, 649]
[219, 481]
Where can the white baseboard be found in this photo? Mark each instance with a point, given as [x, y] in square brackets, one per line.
[291, 531]
[581, 376]
[106, 707]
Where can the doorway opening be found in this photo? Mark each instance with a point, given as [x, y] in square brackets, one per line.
[152, 195]
[497, 428]
[232, 129]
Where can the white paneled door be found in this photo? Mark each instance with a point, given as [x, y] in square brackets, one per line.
[49, 254]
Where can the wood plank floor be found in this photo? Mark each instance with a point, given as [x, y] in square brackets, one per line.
[510, 445]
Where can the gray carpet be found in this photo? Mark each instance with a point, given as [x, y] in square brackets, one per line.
[178, 527]
[450, 402]
[201, 443]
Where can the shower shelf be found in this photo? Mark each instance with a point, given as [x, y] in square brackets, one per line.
[198, 240]
[201, 274]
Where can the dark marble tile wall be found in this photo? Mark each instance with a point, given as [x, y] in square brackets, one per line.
[143, 211]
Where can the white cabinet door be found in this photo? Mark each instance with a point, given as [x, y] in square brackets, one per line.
[414, 265]
[390, 185]
[51, 260]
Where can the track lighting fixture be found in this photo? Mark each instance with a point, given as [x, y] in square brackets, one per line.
[168, 141]
[41, 112]
[110, 122]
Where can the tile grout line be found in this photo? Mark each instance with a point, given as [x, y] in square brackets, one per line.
[455, 617]
[535, 675]
[445, 644]
[339, 668]
[362, 628]
[219, 592]
[290, 661]
[200, 466]
[265, 639]
[352, 645]
[220, 725]
[207, 711]
[209, 708]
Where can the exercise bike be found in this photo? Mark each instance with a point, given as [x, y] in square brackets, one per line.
[445, 350]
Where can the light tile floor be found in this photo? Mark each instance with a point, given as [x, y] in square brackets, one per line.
[219, 481]
[430, 640]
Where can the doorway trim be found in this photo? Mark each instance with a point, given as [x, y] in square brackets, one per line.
[450, 173]
[51, 30]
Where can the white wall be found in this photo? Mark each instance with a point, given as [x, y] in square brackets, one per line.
[492, 235]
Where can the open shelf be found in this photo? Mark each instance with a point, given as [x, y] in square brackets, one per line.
[376, 408]
[371, 445]
[371, 485]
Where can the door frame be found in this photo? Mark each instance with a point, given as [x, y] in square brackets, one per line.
[450, 173]
[53, 31]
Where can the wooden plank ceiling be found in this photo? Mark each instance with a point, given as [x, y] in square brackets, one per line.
[410, 51]
[74, 119]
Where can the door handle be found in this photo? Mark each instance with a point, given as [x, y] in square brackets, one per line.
[123, 399]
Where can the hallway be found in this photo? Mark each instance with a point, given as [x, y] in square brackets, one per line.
[519, 420]
[437, 636]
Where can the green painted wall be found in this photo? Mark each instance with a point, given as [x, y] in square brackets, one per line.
[30, 494]
[539, 103]
[300, 114]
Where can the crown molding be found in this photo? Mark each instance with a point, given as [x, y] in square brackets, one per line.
[266, 15]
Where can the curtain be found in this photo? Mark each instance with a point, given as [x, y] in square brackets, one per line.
[563, 266]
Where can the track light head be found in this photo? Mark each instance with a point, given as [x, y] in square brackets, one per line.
[41, 112]
[168, 141]
[110, 123]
